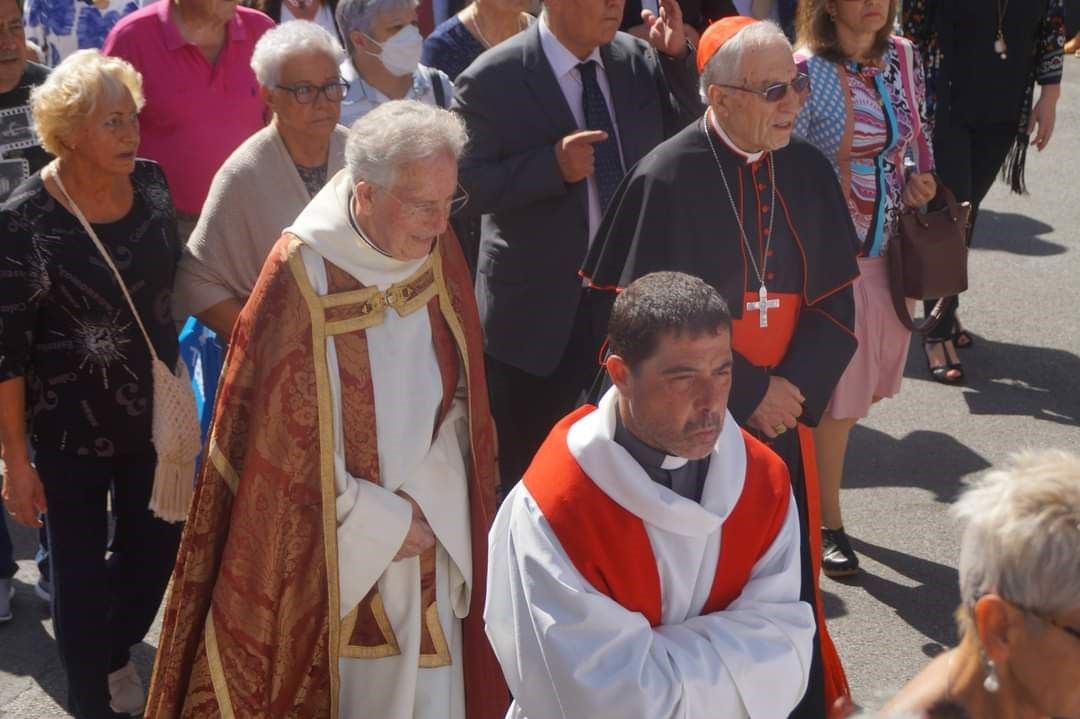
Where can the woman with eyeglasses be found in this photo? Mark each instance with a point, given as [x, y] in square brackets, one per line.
[384, 47]
[865, 114]
[1019, 621]
[265, 183]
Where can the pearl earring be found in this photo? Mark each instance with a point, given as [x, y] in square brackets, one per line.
[991, 683]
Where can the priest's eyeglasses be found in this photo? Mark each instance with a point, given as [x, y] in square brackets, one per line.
[432, 210]
[777, 91]
[306, 93]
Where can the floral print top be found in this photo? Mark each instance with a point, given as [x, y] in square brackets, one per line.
[866, 119]
[60, 27]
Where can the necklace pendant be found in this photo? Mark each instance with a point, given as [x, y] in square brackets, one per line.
[763, 305]
[1000, 47]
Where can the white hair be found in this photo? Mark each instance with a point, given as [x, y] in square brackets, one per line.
[278, 45]
[725, 66]
[1021, 536]
[397, 133]
[353, 15]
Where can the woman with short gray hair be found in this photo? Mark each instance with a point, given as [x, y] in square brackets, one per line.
[265, 183]
[384, 47]
[1019, 618]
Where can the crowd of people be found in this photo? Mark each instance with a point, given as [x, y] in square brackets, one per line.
[527, 354]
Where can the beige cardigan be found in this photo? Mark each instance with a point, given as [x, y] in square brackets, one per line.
[255, 195]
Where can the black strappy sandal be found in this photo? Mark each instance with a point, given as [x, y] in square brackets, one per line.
[941, 372]
[962, 339]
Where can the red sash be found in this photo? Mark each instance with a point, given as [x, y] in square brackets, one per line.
[610, 547]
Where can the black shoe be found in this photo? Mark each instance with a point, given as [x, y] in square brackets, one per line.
[948, 373]
[962, 339]
[837, 557]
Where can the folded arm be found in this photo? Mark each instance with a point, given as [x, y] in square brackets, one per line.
[568, 651]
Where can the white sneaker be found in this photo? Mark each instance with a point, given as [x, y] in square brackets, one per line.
[7, 591]
[126, 691]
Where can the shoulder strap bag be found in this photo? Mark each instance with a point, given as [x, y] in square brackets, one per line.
[928, 257]
[175, 424]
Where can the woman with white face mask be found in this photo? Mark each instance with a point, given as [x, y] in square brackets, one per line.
[384, 46]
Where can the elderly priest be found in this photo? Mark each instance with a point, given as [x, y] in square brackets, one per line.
[647, 565]
[333, 562]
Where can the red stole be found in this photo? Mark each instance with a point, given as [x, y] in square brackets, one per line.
[585, 520]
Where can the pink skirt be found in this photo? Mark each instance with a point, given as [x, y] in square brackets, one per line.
[876, 369]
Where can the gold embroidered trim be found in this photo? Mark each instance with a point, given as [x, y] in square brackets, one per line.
[446, 305]
[405, 297]
[217, 672]
[441, 657]
[348, 624]
[221, 464]
[326, 467]
[353, 324]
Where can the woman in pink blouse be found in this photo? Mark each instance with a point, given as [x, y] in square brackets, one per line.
[865, 113]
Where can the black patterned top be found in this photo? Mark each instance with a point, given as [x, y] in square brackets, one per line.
[313, 177]
[64, 323]
[967, 79]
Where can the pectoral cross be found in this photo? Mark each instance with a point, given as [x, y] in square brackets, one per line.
[763, 305]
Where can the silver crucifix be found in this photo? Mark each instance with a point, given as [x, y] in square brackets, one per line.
[763, 305]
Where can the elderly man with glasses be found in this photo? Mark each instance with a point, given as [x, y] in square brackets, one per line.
[767, 225]
[334, 561]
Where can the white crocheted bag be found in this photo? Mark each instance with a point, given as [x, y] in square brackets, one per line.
[175, 424]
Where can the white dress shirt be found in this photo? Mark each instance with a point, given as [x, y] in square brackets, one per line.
[564, 64]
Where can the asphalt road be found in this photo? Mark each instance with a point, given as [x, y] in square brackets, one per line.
[905, 465]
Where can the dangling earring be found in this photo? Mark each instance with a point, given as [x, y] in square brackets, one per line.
[991, 683]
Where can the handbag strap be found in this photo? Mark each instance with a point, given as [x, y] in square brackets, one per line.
[55, 174]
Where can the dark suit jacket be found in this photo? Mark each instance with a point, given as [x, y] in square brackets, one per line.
[535, 228]
[698, 14]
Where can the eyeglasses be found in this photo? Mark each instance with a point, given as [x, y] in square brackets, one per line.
[777, 91]
[14, 28]
[306, 94]
[1071, 631]
[432, 210]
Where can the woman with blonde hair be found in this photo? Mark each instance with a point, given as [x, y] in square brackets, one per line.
[865, 114]
[1019, 619]
[71, 344]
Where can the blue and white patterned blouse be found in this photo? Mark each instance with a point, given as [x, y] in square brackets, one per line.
[60, 27]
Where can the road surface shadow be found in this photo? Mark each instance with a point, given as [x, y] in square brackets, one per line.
[833, 605]
[926, 607]
[1010, 232]
[1007, 379]
[932, 461]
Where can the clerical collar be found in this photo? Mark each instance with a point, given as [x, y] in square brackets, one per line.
[748, 157]
[646, 455]
[363, 236]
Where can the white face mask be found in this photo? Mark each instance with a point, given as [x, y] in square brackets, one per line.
[400, 54]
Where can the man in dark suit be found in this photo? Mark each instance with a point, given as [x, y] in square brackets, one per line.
[556, 116]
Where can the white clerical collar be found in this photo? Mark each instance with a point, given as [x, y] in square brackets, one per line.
[326, 226]
[748, 157]
[562, 60]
